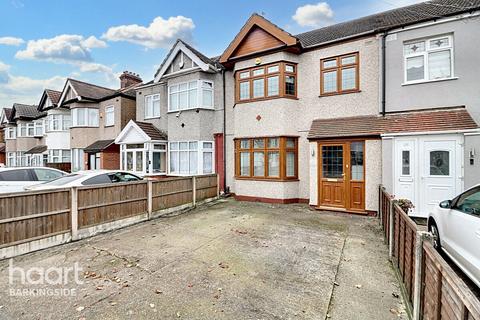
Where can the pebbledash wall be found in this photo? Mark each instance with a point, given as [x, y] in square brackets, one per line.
[294, 116]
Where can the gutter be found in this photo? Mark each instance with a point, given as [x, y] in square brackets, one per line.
[429, 133]
[224, 133]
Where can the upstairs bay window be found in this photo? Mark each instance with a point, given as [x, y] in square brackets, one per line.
[57, 122]
[428, 59]
[272, 158]
[10, 133]
[190, 95]
[30, 129]
[152, 106]
[340, 74]
[266, 82]
[84, 117]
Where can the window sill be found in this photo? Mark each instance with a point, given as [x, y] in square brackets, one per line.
[109, 126]
[338, 93]
[79, 127]
[151, 118]
[268, 179]
[428, 81]
[265, 99]
[190, 109]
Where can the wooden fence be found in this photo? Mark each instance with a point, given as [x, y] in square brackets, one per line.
[431, 289]
[30, 221]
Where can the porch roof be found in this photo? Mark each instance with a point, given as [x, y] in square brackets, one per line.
[376, 125]
[37, 149]
[153, 132]
[98, 146]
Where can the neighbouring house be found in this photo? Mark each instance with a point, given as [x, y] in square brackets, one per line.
[431, 79]
[98, 115]
[24, 141]
[3, 161]
[179, 123]
[304, 112]
[57, 130]
[9, 135]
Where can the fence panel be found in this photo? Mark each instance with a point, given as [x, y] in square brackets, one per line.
[106, 203]
[385, 202]
[171, 192]
[206, 187]
[25, 216]
[444, 294]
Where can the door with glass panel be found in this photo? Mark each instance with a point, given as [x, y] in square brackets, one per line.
[342, 175]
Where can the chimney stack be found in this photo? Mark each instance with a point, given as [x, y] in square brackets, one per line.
[128, 78]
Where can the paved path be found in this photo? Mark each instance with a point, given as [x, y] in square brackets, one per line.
[232, 260]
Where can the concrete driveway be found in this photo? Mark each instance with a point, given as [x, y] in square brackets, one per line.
[229, 260]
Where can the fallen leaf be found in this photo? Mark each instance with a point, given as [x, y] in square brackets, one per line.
[223, 265]
[394, 311]
[152, 305]
[336, 284]
[158, 291]
[358, 286]
[99, 288]
[190, 285]
[395, 294]
[79, 309]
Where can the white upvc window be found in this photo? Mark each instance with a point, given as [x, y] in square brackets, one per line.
[38, 128]
[78, 161]
[85, 117]
[59, 155]
[190, 95]
[428, 59]
[109, 116]
[10, 133]
[11, 159]
[144, 158]
[57, 122]
[191, 157]
[152, 106]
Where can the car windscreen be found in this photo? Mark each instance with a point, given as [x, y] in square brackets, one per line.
[63, 180]
[16, 175]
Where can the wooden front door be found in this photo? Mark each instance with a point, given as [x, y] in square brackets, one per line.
[342, 175]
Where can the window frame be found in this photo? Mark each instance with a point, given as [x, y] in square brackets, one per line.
[199, 95]
[281, 73]
[10, 133]
[338, 69]
[282, 150]
[109, 110]
[200, 153]
[153, 115]
[87, 122]
[425, 54]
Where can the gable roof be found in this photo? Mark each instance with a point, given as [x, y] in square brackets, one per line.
[54, 97]
[98, 146]
[257, 21]
[25, 112]
[369, 25]
[390, 19]
[199, 58]
[151, 130]
[140, 132]
[414, 121]
[6, 115]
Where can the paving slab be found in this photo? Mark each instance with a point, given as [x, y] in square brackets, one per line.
[228, 260]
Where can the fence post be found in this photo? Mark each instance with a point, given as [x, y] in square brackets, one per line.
[390, 229]
[218, 186]
[380, 204]
[194, 190]
[74, 211]
[149, 199]
[417, 289]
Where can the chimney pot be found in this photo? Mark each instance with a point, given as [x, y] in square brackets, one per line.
[128, 78]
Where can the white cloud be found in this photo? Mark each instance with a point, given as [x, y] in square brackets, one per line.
[11, 41]
[64, 48]
[314, 15]
[23, 89]
[160, 33]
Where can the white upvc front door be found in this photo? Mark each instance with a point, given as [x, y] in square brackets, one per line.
[428, 170]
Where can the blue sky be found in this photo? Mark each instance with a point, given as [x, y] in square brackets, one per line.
[44, 42]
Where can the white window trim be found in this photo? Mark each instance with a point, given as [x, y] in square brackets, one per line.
[200, 150]
[424, 54]
[199, 96]
[153, 116]
[148, 148]
[61, 122]
[10, 133]
[62, 153]
[87, 118]
[109, 110]
[38, 124]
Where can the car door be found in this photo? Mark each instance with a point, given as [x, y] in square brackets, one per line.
[462, 232]
[15, 180]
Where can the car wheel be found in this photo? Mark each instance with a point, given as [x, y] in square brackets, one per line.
[435, 236]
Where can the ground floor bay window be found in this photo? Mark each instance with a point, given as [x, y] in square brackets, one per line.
[191, 157]
[148, 158]
[266, 158]
[78, 160]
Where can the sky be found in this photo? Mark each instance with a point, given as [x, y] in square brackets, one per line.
[44, 42]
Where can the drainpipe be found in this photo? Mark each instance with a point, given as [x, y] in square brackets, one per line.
[224, 134]
[384, 72]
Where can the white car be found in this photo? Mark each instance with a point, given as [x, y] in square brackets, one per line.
[16, 178]
[86, 178]
[455, 226]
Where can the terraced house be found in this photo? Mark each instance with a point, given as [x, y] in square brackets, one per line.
[98, 114]
[306, 113]
[179, 121]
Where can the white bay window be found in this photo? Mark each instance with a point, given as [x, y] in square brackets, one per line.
[191, 157]
[144, 158]
[190, 95]
[428, 59]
